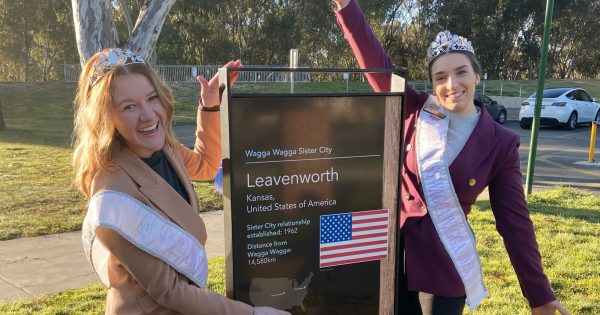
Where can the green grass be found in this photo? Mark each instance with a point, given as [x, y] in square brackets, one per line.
[90, 299]
[186, 93]
[36, 195]
[36, 192]
[567, 224]
[186, 102]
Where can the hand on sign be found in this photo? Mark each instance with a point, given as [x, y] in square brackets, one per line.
[210, 92]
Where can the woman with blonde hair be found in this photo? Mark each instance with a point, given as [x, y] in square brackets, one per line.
[142, 232]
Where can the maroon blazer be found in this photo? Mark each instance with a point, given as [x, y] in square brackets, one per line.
[490, 158]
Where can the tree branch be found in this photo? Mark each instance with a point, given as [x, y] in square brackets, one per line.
[148, 26]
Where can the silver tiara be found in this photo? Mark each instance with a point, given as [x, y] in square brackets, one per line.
[446, 42]
[110, 59]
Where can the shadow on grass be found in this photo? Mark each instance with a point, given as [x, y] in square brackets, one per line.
[21, 136]
[37, 113]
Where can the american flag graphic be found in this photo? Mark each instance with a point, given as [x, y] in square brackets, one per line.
[349, 238]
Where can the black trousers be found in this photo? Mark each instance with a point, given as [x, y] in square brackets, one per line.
[421, 303]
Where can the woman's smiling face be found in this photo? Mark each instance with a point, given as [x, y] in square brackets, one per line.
[454, 82]
[138, 114]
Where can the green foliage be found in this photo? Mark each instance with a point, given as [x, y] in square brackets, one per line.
[212, 32]
[567, 224]
[38, 36]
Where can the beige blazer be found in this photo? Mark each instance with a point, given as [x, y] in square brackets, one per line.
[139, 283]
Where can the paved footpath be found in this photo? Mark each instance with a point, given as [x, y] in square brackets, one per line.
[36, 266]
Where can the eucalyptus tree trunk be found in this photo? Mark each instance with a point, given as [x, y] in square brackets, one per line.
[95, 27]
[127, 16]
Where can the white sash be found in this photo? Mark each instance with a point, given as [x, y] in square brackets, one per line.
[442, 203]
[144, 228]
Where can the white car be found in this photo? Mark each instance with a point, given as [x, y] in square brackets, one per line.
[566, 107]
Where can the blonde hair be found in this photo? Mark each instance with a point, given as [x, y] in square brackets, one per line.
[94, 134]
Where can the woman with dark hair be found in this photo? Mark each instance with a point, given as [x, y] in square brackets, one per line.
[454, 150]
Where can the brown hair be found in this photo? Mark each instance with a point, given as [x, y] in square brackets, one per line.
[474, 62]
[94, 134]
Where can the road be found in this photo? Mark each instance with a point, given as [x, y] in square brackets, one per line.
[558, 151]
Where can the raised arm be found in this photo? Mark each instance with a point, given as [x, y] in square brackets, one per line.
[366, 47]
[203, 162]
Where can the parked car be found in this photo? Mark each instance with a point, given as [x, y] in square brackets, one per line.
[564, 107]
[498, 111]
